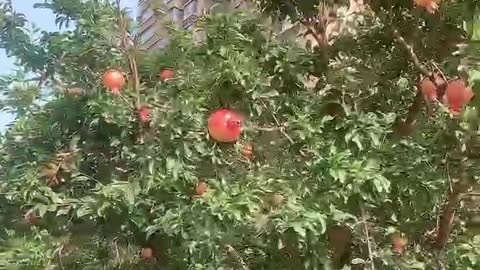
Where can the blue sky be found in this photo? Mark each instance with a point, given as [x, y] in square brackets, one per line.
[43, 19]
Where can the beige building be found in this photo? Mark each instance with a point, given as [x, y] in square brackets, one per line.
[155, 15]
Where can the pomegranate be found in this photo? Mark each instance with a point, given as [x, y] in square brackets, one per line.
[201, 188]
[31, 217]
[167, 74]
[144, 114]
[147, 254]
[225, 126]
[431, 6]
[114, 81]
[429, 89]
[248, 151]
[399, 244]
[457, 95]
[74, 91]
[277, 200]
[55, 181]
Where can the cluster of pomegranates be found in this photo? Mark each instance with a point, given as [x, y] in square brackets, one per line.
[114, 80]
[224, 125]
[455, 94]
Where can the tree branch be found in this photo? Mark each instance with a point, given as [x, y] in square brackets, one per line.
[446, 220]
[127, 44]
[367, 237]
[413, 56]
[406, 127]
[234, 254]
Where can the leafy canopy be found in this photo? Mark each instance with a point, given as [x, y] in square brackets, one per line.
[344, 165]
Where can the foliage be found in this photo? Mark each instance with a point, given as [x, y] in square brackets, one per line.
[323, 124]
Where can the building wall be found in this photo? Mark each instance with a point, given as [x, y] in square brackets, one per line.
[182, 13]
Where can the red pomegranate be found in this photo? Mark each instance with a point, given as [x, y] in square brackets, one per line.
[248, 151]
[31, 217]
[457, 95]
[430, 89]
[430, 6]
[399, 244]
[145, 114]
[147, 254]
[225, 126]
[201, 188]
[114, 81]
[167, 74]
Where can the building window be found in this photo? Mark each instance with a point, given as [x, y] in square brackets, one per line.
[240, 4]
[189, 27]
[177, 14]
[190, 9]
[146, 14]
[162, 43]
[149, 34]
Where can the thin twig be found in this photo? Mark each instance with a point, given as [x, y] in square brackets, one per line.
[282, 129]
[127, 102]
[234, 254]
[367, 237]
[59, 254]
[268, 129]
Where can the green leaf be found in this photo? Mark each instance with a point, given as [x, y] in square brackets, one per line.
[356, 139]
[297, 227]
[269, 94]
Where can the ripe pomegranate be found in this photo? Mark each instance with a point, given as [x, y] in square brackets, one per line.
[457, 95]
[55, 181]
[167, 74]
[431, 6]
[31, 217]
[248, 151]
[144, 114]
[399, 244]
[147, 254]
[277, 200]
[114, 81]
[430, 90]
[201, 188]
[225, 126]
[74, 91]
